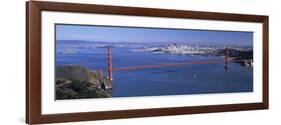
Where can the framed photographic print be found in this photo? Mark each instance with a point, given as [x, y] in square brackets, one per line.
[93, 62]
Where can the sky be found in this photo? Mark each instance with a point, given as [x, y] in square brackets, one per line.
[146, 35]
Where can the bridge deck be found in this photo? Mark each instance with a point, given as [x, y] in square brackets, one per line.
[170, 65]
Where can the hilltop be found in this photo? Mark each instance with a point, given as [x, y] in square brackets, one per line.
[76, 82]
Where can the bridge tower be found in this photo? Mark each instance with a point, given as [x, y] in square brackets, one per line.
[109, 61]
[226, 58]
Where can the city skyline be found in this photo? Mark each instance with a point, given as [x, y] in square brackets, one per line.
[146, 35]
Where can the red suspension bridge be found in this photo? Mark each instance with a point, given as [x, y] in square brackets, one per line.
[110, 69]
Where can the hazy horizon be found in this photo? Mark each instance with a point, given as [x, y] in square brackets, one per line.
[151, 35]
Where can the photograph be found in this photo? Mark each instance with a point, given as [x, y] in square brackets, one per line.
[94, 61]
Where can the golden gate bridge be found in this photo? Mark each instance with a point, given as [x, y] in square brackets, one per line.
[110, 69]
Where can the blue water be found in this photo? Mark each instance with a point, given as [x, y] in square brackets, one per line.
[177, 80]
